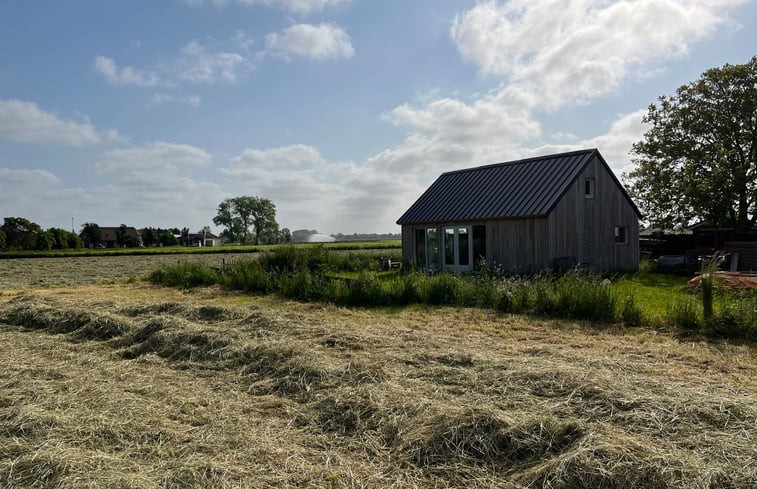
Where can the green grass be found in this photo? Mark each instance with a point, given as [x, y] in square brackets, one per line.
[174, 250]
[652, 292]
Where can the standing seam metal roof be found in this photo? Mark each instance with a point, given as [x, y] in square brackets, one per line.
[523, 188]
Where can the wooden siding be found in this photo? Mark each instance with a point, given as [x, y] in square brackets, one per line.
[408, 245]
[518, 245]
[584, 228]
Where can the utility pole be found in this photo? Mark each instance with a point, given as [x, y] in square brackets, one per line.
[72, 226]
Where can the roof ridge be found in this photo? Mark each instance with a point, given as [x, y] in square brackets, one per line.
[521, 161]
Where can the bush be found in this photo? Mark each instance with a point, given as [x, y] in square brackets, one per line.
[584, 297]
[444, 288]
[684, 314]
[185, 275]
[366, 290]
[736, 319]
[248, 276]
[631, 314]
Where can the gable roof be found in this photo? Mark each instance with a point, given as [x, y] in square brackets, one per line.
[530, 187]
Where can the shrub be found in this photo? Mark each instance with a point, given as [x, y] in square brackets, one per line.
[444, 288]
[584, 297]
[683, 314]
[631, 314]
[184, 275]
[248, 276]
[366, 290]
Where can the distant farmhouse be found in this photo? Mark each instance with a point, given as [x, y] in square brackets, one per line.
[525, 216]
[109, 237]
[199, 239]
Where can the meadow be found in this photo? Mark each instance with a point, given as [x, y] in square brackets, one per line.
[131, 384]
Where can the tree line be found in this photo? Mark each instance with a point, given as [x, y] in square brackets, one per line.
[18, 233]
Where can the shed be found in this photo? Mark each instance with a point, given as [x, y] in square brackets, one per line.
[524, 216]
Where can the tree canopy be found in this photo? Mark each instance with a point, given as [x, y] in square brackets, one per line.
[238, 214]
[697, 161]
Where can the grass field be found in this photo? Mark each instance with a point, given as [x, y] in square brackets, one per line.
[184, 250]
[131, 385]
[83, 270]
[124, 384]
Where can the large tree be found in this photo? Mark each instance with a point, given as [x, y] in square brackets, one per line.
[91, 233]
[697, 161]
[20, 233]
[238, 214]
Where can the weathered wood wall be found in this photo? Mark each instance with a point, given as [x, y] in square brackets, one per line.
[584, 228]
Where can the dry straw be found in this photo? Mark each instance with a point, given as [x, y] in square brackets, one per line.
[138, 387]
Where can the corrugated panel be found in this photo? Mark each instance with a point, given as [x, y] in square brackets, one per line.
[529, 187]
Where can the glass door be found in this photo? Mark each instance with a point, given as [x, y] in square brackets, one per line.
[458, 252]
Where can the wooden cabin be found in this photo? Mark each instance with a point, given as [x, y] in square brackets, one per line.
[525, 216]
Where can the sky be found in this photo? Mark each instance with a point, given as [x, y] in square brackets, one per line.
[342, 112]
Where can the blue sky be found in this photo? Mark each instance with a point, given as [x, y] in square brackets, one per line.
[340, 111]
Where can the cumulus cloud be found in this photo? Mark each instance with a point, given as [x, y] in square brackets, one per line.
[302, 7]
[615, 145]
[585, 51]
[153, 159]
[159, 99]
[127, 75]
[197, 64]
[282, 156]
[323, 41]
[25, 122]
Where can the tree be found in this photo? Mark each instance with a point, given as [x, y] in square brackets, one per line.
[45, 241]
[91, 233]
[20, 233]
[168, 239]
[698, 160]
[122, 235]
[63, 239]
[225, 217]
[2, 239]
[238, 214]
[150, 236]
[286, 235]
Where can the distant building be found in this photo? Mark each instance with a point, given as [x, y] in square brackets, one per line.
[525, 216]
[199, 239]
[109, 237]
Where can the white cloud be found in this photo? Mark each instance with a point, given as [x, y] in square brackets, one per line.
[25, 122]
[588, 49]
[302, 7]
[126, 75]
[283, 156]
[323, 41]
[196, 63]
[199, 65]
[615, 145]
[158, 158]
[159, 99]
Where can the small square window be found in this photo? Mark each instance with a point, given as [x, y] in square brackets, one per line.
[621, 234]
[589, 188]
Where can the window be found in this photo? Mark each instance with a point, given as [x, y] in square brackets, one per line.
[458, 252]
[621, 234]
[479, 245]
[420, 247]
[432, 248]
[589, 188]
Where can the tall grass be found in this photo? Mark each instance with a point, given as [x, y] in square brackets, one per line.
[315, 274]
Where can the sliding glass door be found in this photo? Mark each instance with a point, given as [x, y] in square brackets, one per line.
[458, 249]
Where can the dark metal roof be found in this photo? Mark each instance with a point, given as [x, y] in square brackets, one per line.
[523, 188]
